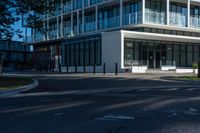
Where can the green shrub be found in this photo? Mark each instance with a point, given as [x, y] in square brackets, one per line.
[194, 65]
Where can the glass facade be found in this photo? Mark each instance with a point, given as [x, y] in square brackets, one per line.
[74, 17]
[109, 18]
[83, 52]
[155, 54]
[132, 12]
[15, 52]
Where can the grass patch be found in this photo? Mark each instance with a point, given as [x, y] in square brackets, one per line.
[190, 78]
[7, 83]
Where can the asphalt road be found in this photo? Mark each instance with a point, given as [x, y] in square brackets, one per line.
[88, 104]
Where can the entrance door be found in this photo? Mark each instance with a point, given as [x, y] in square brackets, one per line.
[154, 59]
[151, 59]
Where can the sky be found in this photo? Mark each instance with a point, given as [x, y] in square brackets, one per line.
[18, 25]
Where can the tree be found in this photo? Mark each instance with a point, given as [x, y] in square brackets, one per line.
[10, 10]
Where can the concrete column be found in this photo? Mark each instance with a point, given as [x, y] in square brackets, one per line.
[121, 12]
[57, 25]
[78, 22]
[33, 31]
[143, 11]
[72, 23]
[96, 17]
[44, 31]
[47, 29]
[167, 13]
[72, 18]
[188, 16]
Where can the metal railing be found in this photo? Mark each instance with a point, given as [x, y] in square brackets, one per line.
[177, 19]
[155, 17]
[195, 22]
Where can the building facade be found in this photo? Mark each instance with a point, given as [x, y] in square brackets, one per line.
[135, 35]
[16, 54]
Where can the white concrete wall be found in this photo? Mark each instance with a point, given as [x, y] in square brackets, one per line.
[139, 69]
[112, 50]
[184, 70]
[167, 68]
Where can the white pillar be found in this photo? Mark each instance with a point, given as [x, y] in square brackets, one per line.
[72, 23]
[188, 16]
[121, 12]
[143, 11]
[77, 22]
[58, 29]
[96, 17]
[47, 29]
[72, 19]
[33, 33]
[167, 12]
[44, 31]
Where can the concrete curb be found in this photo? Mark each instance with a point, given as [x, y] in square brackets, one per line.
[19, 89]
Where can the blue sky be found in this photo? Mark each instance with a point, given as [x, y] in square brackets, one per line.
[18, 25]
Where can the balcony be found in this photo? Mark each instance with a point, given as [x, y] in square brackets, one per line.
[155, 17]
[33, 38]
[195, 22]
[52, 34]
[176, 19]
[67, 31]
[132, 18]
[90, 26]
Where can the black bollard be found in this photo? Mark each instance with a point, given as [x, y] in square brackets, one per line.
[116, 69]
[104, 68]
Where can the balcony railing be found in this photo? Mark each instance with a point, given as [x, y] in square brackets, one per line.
[155, 17]
[132, 18]
[53, 34]
[195, 22]
[33, 38]
[90, 26]
[67, 31]
[177, 19]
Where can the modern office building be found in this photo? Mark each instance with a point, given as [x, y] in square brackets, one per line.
[137, 35]
[16, 54]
